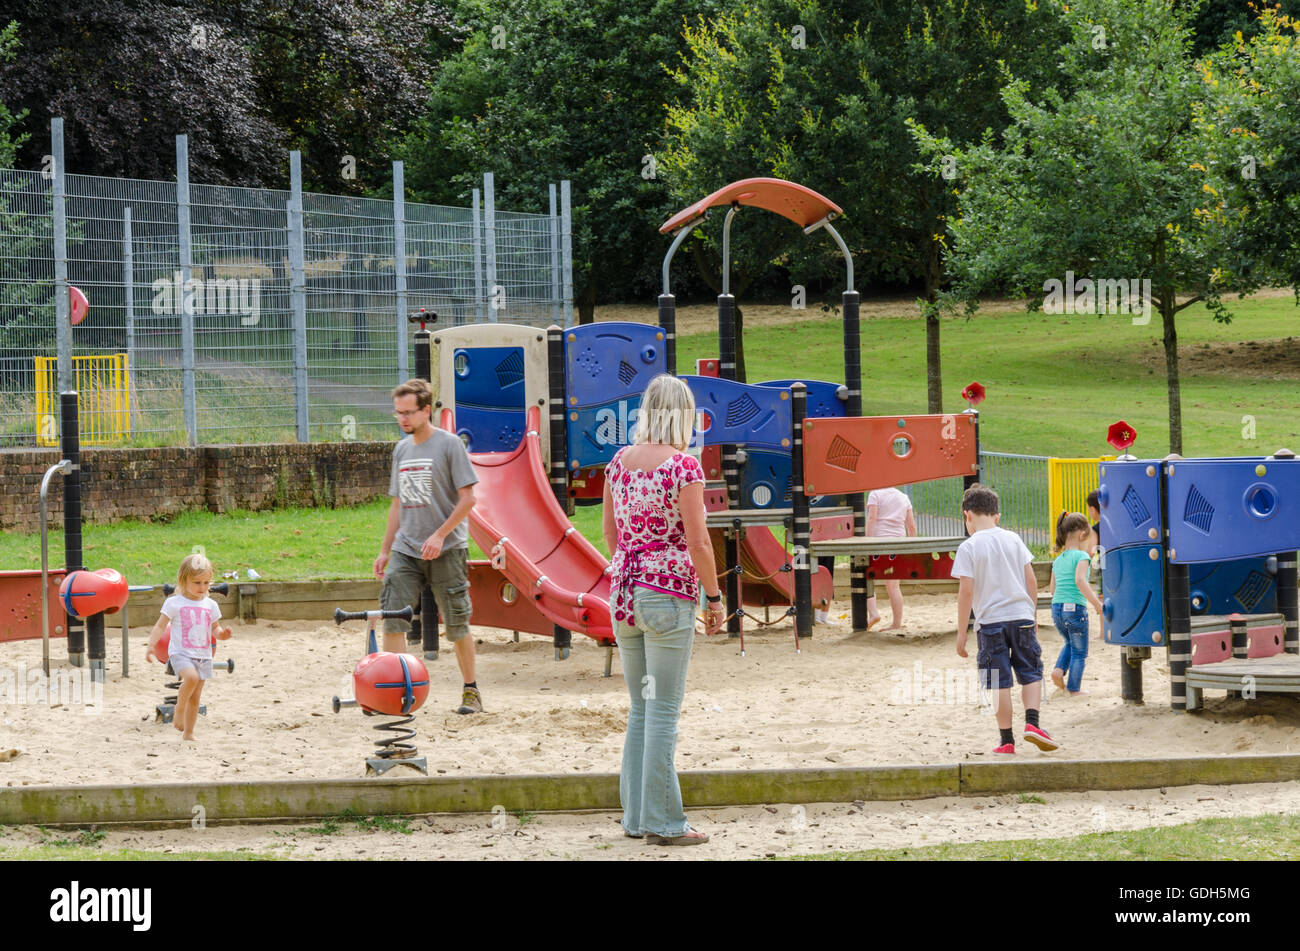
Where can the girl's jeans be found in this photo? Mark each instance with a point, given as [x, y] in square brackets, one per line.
[1072, 621]
[655, 655]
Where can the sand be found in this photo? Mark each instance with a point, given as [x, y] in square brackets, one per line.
[848, 699]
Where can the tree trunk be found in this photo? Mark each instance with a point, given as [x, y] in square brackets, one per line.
[1168, 308]
[933, 368]
[587, 305]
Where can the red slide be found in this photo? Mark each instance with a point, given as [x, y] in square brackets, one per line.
[545, 557]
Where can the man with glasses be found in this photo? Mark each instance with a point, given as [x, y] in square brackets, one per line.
[426, 539]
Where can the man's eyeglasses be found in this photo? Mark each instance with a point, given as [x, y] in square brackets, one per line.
[403, 413]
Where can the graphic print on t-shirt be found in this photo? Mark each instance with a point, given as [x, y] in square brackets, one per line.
[415, 483]
[195, 627]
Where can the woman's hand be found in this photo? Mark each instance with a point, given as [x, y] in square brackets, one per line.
[714, 616]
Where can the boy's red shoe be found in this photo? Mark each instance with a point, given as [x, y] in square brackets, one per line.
[1006, 749]
[1039, 738]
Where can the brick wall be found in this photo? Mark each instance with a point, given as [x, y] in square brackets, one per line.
[148, 483]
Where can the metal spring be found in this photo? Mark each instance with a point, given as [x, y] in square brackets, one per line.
[395, 747]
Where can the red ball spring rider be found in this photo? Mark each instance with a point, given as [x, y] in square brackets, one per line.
[87, 593]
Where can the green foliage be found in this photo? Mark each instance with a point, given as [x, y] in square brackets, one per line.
[9, 141]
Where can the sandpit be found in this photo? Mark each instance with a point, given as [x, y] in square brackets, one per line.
[871, 698]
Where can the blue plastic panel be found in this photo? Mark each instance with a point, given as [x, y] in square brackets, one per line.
[757, 416]
[765, 483]
[1129, 493]
[489, 430]
[492, 377]
[1246, 586]
[595, 433]
[1132, 597]
[1226, 509]
[611, 361]
[823, 397]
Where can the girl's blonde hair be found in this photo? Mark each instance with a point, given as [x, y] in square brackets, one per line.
[667, 413]
[191, 567]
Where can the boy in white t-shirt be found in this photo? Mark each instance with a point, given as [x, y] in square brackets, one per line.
[996, 577]
[889, 515]
[194, 620]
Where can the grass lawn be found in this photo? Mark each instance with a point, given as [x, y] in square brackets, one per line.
[1054, 382]
[1260, 838]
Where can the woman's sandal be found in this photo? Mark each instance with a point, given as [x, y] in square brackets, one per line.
[690, 837]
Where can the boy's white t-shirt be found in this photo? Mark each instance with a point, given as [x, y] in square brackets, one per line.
[191, 624]
[892, 506]
[995, 560]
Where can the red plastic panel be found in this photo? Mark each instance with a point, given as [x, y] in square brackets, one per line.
[588, 484]
[896, 567]
[488, 592]
[1264, 641]
[861, 453]
[1210, 647]
[20, 605]
[801, 205]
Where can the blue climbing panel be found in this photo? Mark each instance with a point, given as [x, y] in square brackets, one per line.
[823, 398]
[1129, 497]
[491, 377]
[757, 416]
[765, 483]
[1227, 509]
[595, 433]
[610, 361]
[1245, 586]
[1132, 597]
[489, 430]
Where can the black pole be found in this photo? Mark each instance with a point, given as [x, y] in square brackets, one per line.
[730, 467]
[668, 324]
[558, 448]
[429, 623]
[853, 407]
[801, 527]
[1130, 674]
[70, 445]
[1287, 601]
[425, 630]
[1178, 606]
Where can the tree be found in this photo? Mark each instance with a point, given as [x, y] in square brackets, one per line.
[542, 91]
[1107, 178]
[820, 94]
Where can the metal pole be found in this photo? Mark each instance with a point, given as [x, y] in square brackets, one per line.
[478, 258]
[63, 467]
[298, 298]
[128, 285]
[187, 289]
[566, 251]
[801, 526]
[62, 322]
[555, 255]
[490, 242]
[558, 448]
[399, 264]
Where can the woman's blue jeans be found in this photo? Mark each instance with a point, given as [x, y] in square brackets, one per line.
[1073, 625]
[655, 655]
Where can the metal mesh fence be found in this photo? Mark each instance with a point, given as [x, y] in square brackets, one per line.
[295, 319]
[1021, 485]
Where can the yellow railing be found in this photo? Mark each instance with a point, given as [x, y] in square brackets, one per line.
[1068, 483]
[103, 399]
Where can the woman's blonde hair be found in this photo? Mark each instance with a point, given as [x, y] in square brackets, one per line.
[191, 567]
[667, 413]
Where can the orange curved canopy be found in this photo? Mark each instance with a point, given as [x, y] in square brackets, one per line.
[801, 205]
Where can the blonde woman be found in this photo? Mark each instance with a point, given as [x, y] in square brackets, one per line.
[661, 557]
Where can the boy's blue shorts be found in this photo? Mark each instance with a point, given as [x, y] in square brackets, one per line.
[1008, 645]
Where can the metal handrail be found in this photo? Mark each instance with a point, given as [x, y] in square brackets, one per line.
[63, 467]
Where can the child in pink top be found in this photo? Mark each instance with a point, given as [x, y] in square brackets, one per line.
[889, 515]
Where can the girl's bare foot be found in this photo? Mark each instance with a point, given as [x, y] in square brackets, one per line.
[1078, 693]
[175, 724]
[188, 736]
[894, 627]
[1058, 678]
[872, 620]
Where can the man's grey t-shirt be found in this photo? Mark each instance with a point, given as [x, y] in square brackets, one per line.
[426, 477]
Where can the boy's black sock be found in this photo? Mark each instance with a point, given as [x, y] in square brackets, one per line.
[1007, 736]
[474, 685]
[1031, 717]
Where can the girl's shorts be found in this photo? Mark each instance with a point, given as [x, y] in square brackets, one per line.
[201, 665]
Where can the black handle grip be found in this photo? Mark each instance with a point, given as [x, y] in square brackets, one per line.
[220, 587]
[340, 615]
[423, 317]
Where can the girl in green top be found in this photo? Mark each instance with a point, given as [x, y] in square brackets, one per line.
[1071, 595]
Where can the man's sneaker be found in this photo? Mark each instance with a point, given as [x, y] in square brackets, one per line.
[1006, 749]
[470, 701]
[1039, 738]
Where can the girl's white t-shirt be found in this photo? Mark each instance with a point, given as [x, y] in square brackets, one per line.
[191, 624]
[892, 506]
